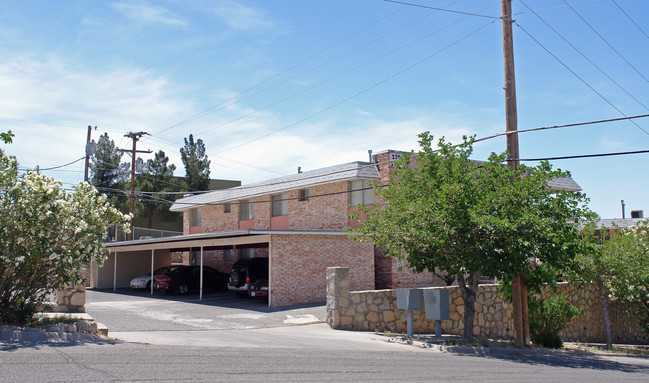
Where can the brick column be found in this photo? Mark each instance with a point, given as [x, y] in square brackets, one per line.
[337, 294]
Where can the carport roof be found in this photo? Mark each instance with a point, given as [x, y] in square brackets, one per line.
[348, 171]
[207, 240]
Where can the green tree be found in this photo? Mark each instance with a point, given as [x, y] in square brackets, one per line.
[46, 236]
[106, 172]
[445, 211]
[197, 166]
[626, 256]
[156, 179]
[592, 267]
[7, 137]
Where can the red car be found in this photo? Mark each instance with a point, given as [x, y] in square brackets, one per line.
[183, 279]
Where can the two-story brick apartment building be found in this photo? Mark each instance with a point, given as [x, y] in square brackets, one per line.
[296, 222]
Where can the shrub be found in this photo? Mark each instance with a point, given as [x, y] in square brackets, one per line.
[548, 317]
[46, 236]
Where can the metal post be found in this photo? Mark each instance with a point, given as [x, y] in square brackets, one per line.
[115, 273]
[152, 276]
[410, 324]
[200, 298]
[438, 329]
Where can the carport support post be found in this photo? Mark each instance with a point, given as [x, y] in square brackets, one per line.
[200, 298]
[115, 273]
[152, 261]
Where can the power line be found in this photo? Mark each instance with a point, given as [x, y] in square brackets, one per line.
[630, 19]
[443, 9]
[360, 92]
[557, 7]
[337, 75]
[584, 156]
[563, 126]
[62, 166]
[579, 77]
[209, 110]
[584, 56]
[606, 41]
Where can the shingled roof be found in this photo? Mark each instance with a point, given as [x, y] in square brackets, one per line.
[344, 172]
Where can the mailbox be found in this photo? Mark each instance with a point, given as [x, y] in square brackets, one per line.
[409, 299]
[436, 304]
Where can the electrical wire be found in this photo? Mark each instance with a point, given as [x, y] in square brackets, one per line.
[357, 67]
[584, 56]
[307, 59]
[580, 156]
[630, 19]
[579, 77]
[606, 41]
[443, 9]
[62, 166]
[557, 7]
[321, 111]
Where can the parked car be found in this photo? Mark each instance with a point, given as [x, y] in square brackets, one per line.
[246, 272]
[183, 279]
[259, 288]
[144, 281]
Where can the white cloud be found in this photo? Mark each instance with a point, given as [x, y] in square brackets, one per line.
[142, 11]
[241, 17]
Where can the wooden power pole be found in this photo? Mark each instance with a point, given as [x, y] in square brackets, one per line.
[519, 289]
[90, 150]
[135, 137]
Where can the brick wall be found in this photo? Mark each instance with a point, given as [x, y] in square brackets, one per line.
[298, 264]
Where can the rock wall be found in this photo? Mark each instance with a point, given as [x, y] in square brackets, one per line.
[376, 310]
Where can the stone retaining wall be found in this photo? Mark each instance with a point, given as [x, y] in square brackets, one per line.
[376, 310]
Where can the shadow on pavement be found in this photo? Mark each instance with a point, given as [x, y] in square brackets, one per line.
[568, 359]
[225, 299]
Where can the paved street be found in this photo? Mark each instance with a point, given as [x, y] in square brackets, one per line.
[225, 338]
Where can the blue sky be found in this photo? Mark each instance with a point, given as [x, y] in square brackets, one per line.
[317, 83]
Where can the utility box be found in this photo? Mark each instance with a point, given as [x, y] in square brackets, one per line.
[409, 299]
[436, 304]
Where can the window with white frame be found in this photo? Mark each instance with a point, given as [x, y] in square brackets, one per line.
[195, 216]
[279, 205]
[361, 192]
[246, 210]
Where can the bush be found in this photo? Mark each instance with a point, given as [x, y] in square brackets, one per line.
[548, 317]
[46, 236]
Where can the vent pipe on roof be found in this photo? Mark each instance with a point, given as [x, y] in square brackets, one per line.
[370, 153]
[299, 169]
[623, 217]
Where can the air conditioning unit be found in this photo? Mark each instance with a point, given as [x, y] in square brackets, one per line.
[637, 214]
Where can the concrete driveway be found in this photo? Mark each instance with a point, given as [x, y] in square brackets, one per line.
[135, 310]
[221, 319]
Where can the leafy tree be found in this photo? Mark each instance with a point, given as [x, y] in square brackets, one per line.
[46, 236]
[627, 258]
[156, 178]
[592, 267]
[197, 166]
[105, 169]
[6, 137]
[444, 211]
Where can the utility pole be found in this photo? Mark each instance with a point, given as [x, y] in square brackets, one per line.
[519, 288]
[90, 150]
[135, 137]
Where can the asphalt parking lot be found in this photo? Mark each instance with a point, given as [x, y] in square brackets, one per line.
[126, 310]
